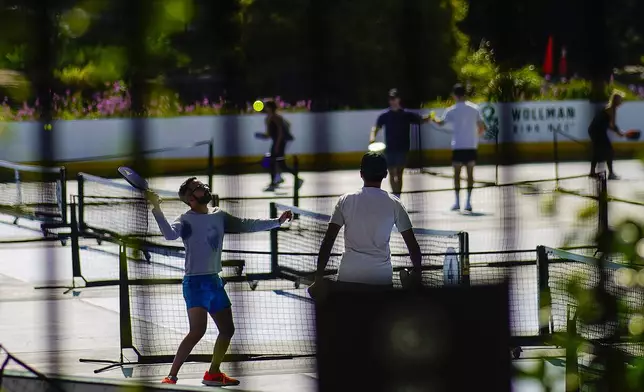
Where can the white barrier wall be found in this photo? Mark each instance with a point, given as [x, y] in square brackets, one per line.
[530, 122]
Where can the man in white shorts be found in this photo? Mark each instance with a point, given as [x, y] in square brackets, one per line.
[368, 216]
[468, 124]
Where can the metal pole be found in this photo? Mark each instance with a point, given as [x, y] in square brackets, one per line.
[555, 146]
[43, 57]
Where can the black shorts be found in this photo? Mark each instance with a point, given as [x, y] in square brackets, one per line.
[396, 158]
[464, 156]
[278, 150]
[602, 149]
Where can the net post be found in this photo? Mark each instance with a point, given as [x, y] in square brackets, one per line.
[296, 189]
[274, 244]
[602, 199]
[63, 194]
[80, 202]
[544, 298]
[76, 265]
[16, 177]
[125, 321]
[464, 248]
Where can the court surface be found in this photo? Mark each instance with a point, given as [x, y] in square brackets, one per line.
[88, 327]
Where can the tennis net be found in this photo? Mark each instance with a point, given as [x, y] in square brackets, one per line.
[298, 243]
[520, 215]
[113, 207]
[273, 313]
[519, 267]
[271, 317]
[571, 279]
[33, 192]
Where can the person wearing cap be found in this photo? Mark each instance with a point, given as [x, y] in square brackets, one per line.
[368, 216]
[468, 126]
[397, 123]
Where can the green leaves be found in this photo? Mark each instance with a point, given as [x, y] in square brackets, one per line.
[75, 22]
[94, 66]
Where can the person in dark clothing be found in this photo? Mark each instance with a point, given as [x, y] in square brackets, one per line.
[602, 148]
[277, 130]
[397, 122]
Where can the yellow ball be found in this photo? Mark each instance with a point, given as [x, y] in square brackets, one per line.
[48, 127]
[258, 106]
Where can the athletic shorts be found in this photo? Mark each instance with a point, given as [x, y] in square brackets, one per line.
[602, 149]
[464, 156]
[396, 158]
[205, 291]
[278, 151]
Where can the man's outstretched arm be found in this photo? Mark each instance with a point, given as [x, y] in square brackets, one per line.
[234, 225]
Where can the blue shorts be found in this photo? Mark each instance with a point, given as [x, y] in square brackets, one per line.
[396, 158]
[205, 291]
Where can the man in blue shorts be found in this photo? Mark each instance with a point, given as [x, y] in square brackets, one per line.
[397, 123]
[202, 232]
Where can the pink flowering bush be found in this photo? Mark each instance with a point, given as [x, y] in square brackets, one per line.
[115, 101]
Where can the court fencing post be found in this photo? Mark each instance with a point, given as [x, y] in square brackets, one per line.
[296, 188]
[81, 196]
[63, 195]
[498, 160]
[572, 367]
[555, 146]
[211, 171]
[544, 299]
[211, 164]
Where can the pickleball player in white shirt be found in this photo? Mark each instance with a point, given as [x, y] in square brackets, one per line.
[368, 216]
[468, 125]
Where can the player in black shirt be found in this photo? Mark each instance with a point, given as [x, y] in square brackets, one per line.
[397, 123]
[602, 148]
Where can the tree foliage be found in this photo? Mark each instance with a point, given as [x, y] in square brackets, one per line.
[348, 53]
[259, 47]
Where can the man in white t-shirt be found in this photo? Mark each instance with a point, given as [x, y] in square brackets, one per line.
[467, 122]
[368, 216]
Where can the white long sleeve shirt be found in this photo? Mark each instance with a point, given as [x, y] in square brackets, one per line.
[203, 235]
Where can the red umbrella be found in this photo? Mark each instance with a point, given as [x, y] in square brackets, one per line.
[547, 62]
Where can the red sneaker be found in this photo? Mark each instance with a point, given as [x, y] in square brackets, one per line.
[218, 380]
[169, 380]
